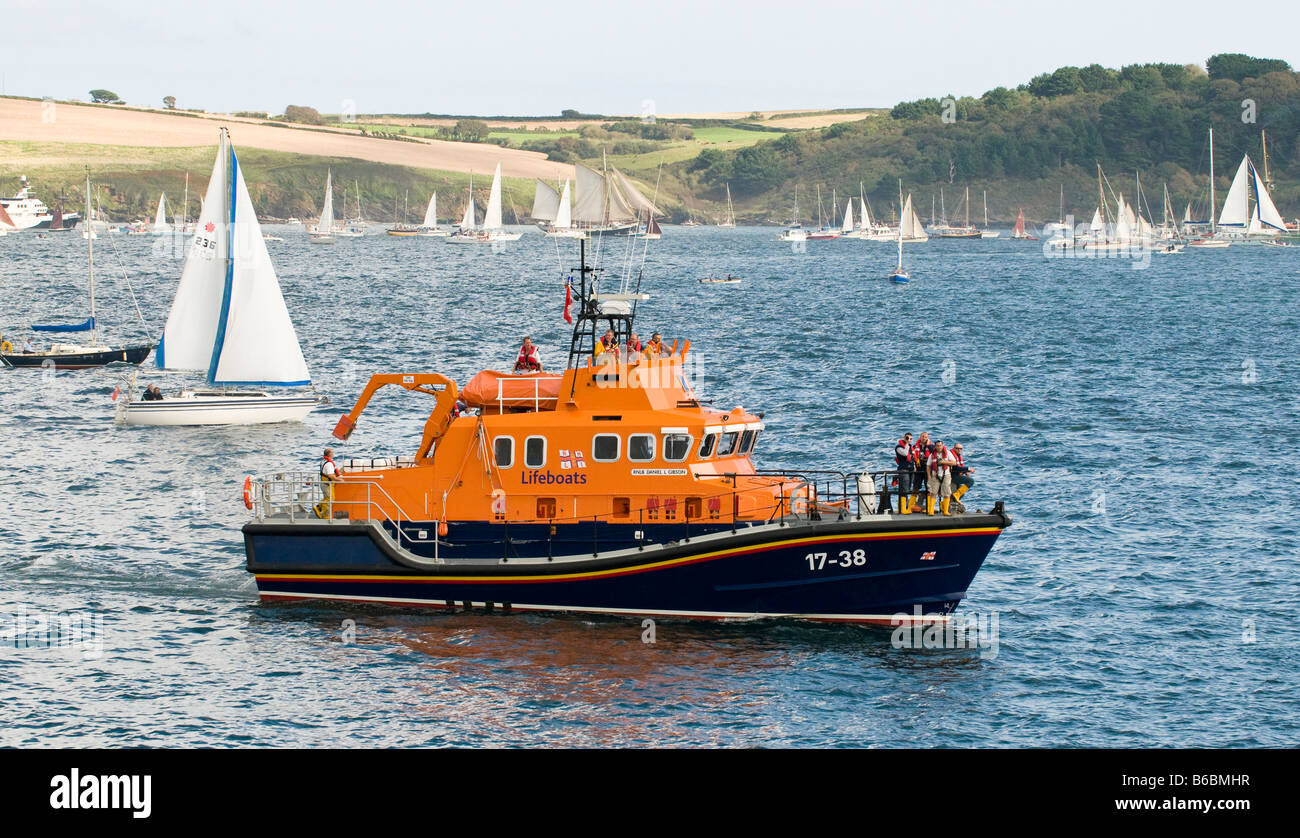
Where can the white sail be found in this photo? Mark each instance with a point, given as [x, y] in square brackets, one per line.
[191, 330]
[848, 216]
[589, 196]
[492, 216]
[635, 203]
[1187, 213]
[326, 223]
[431, 212]
[546, 202]
[1265, 212]
[564, 215]
[864, 222]
[1122, 228]
[160, 224]
[909, 225]
[1236, 207]
[1097, 227]
[256, 343]
[467, 220]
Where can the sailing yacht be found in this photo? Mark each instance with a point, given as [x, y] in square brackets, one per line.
[1018, 232]
[986, 233]
[323, 232]
[730, 220]
[493, 229]
[1214, 242]
[795, 232]
[429, 227]
[353, 228]
[228, 318]
[402, 228]
[1243, 219]
[909, 220]
[74, 356]
[160, 224]
[910, 228]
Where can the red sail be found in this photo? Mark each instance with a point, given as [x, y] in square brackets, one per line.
[1019, 229]
[4, 217]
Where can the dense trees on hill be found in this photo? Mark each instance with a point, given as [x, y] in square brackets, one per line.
[1148, 117]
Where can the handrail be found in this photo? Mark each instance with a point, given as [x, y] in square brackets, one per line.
[797, 500]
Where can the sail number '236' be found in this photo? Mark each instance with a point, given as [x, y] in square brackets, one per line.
[819, 561]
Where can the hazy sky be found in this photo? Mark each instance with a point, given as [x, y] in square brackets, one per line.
[537, 57]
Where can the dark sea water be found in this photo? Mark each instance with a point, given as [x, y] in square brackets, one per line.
[1140, 425]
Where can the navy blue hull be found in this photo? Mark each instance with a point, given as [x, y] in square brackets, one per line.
[859, 571]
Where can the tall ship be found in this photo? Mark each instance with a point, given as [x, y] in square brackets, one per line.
[27, 212]
[608, 487]
[607, 203]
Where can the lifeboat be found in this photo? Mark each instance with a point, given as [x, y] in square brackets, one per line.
[608, 488]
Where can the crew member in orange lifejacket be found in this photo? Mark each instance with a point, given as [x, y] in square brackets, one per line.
[962, 480]
[633, 345]
[920, 455]
[529, 360]
[606, 348]
[903, 462]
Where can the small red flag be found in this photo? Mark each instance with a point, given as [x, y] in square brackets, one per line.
[568, 298]
[116, 390]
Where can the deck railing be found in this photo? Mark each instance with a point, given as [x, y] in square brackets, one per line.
[800, 497]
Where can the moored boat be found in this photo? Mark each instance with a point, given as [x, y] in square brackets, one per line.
[608, 488]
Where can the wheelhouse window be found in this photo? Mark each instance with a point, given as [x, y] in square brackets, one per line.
[706, 446]
[535, 452]
[503, 449]
[747, 441]
[605, 448]
[641, 448]
[727, 444]
[677, 447]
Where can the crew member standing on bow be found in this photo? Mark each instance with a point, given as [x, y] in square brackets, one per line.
[329, 474]
[962, 479]
[939, 473]
[903, 462]
[920, 457]
[529, 360]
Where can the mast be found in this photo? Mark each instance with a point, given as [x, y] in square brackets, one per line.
[1263, 142]
[986, 209]
[968, 206]
[1212, 182]
[1061, 217]
[185, 207]
[90, 250]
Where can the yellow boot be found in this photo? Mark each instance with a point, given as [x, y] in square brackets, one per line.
[903, 507]
[929, 505]
[944, 505]
[916, 503]
[961, 490]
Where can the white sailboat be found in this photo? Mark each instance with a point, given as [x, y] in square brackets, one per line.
[1213, 242]
[429, 227]
[323, 232]
[847, 226]
[986, 233]
[907, 219]
[353, 228]
[465, 231]
[795, 232]
[910, 228]
[563, 227]
[730, 220]
[228, 318]
[160, 224]
[1248, 220]
[493, 229]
